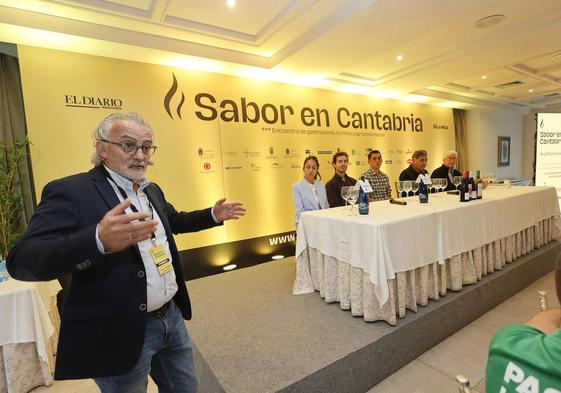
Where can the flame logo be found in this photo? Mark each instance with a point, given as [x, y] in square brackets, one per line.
[169, 95]
[541, 124]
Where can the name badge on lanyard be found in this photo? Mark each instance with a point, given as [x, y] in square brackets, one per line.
[157, 251]
[160, 258]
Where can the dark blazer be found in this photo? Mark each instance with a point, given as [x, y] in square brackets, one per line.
[409, 174]
[442, 173]
[333, 189]
[104, 315]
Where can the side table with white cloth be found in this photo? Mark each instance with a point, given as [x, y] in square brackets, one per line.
[28, 334]
[398, 257]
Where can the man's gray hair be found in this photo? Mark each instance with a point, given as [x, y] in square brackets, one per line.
[450, 153]
[103, 129]
[419, 153]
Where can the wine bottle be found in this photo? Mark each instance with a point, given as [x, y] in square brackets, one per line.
[466, 187]
[363, 206]
[479, 184]
[462, 191]
[473, 195]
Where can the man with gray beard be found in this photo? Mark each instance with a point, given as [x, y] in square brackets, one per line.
[112, 230]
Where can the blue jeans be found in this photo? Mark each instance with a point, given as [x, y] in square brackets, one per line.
[167, 355]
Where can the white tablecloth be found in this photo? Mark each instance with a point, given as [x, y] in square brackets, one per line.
[394, 238]
[27, 318]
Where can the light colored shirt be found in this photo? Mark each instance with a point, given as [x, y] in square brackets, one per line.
[315, 192]
[380, 183]
[159, 289]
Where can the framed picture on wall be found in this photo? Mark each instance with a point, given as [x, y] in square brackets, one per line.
[504, 151]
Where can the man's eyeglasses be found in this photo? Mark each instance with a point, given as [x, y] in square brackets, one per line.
[132, 147]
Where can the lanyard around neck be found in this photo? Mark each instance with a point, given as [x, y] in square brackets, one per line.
[125, 196]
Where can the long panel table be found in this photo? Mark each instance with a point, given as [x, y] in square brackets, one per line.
[396, 257]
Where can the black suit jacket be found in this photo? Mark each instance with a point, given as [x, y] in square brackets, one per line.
[104, 316]
[442, 173]
[409, 174]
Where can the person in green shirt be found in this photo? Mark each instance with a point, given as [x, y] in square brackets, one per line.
[526, 358]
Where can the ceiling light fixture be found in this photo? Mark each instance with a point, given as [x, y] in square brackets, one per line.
[275, 257]
[229, 267]
[484, 77]
[231, 3]
[399, 58]
[489, 21]
[531, 91]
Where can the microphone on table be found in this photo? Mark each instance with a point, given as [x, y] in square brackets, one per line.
[396, 202]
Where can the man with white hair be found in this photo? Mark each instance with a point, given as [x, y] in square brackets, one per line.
[448, 169]
[112, 230]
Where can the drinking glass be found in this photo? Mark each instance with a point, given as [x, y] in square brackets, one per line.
[456, 181]
[415, 186]
[443, 184]
[407, 186]
[345, 193]
[399, 185]
[434, 186]
[353, 196]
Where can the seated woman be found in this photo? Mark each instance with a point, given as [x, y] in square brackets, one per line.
[309, 193]
[527, 357]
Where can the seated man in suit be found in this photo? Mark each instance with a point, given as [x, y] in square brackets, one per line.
[379, 181]
[339, 180]
[418, 164]
[526, 357]
[447, 170]
[111, 230]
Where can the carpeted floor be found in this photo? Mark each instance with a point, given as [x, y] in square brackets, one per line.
[253, 335]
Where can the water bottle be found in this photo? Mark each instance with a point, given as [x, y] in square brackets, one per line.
[423, 192]
[3, 271]
[363, 206]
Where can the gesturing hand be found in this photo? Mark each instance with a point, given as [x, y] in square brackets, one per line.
[228, 210]
[118, 230]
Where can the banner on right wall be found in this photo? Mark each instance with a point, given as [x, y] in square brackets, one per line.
[548, 151]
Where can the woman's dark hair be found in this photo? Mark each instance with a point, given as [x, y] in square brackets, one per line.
[314, 158]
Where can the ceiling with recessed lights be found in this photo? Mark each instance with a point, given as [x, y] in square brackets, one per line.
[479, 53]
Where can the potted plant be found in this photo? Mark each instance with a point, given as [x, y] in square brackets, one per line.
[11, 200]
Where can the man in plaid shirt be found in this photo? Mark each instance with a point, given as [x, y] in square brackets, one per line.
[379, 181]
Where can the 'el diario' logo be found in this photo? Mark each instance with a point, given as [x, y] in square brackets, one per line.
[169, 95]
[92, 102]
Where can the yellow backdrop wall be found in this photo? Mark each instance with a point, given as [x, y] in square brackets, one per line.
[218, 135]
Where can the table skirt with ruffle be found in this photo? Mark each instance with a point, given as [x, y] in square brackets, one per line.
[339, 281]
[21, 367]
